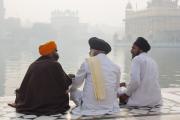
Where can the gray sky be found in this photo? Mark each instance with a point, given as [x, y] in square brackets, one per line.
[109, 12]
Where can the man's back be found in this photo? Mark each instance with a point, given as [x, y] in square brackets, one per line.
[111, 74]
[43, 90]
[90, 104]
[145, 75]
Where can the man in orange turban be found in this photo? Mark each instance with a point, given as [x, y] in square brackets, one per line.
[44, 88]
[47, 48]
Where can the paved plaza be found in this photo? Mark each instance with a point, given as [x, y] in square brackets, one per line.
[169, 111]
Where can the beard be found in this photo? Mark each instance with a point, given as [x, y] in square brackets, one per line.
[91, 54]
[135, 54]
[56, 56]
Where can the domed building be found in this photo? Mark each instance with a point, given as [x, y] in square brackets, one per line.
[159, 22]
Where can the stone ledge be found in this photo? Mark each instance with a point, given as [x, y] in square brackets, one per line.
[169, 110]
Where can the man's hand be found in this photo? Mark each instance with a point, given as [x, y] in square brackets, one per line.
[71, 76]
[123, 84]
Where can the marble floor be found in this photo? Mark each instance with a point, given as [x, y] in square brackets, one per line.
[169, 111]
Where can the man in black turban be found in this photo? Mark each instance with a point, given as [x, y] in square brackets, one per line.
[143, 88]
[101, 80]
[99, 45]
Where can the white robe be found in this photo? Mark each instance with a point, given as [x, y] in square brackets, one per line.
[144, 88]
[88, 105]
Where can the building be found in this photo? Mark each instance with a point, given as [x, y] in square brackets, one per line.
[159, 22]
[68, 25]
[2, 10]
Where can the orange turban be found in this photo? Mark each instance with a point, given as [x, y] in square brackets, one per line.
[47, 48]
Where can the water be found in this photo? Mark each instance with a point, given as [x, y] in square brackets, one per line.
[13, 66]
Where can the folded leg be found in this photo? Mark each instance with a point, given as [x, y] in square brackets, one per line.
[76, 96]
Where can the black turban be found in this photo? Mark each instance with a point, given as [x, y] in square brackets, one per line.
[99, 44]
[142, 44]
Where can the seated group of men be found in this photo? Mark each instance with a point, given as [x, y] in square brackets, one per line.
[45, 88]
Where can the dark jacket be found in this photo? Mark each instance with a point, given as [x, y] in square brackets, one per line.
[44, 89]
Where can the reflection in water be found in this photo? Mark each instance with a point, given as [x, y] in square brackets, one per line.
[122, 57]
[13, 68]
[2, 71]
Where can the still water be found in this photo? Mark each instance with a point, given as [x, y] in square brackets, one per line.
[13, 66]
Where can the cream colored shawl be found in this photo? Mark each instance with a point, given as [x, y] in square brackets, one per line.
[97, 78]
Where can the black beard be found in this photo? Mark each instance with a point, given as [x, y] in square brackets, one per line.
[56, 57]
[134, 55]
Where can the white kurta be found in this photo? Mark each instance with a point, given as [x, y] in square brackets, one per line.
[88, 105]
[144, 88]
